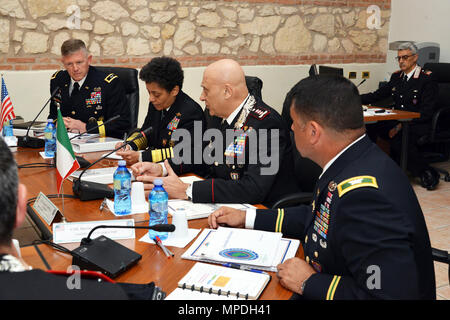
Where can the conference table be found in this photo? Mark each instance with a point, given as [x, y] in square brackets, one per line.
[405, 117]
[154, 265]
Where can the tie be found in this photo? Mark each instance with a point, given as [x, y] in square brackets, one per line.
[76, 89]
[405, 78]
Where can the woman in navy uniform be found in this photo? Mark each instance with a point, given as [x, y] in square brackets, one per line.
[169, 109]
[88, 97]
[412, 89]
[364, 235]
[230, 175]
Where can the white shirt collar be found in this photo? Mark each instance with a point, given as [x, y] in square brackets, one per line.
[409, 75]
[338, 155]
[236, 111]
[72, 82]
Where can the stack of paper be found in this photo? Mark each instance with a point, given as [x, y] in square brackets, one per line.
[200, 210]
[92, 144]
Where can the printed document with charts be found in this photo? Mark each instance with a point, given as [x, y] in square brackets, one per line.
[250, 248]
[211, 282]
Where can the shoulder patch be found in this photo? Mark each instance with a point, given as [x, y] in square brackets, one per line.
[110, 77]
[259, 112]
[55, 74]
[355, 183]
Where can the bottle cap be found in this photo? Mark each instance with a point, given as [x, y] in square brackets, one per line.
[49, 120]
[158, 182]
[122, 163]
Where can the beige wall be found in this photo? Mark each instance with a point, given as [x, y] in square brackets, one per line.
[29, 90]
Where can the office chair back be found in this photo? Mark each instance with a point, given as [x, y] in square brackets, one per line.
[441, 73]
[129, 80]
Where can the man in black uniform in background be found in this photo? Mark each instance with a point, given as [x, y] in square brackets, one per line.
[88, 97]
[169, 109]
[412, 89]
[231, 177]
[364, 235]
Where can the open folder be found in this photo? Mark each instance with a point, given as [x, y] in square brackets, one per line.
[211, 282]
[249, 248]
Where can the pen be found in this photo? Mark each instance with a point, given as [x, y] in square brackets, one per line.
[241, 267]
[166, 251]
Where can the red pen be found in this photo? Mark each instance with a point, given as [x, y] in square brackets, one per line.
[166, 251]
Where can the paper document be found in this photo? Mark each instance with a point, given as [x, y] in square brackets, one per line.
[198, 251]
[201, 210]
[94, 144]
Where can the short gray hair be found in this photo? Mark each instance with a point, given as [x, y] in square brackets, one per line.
[71, 46]
[409, 46]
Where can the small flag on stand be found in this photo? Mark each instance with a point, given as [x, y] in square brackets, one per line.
[7, 110]
[66, 163]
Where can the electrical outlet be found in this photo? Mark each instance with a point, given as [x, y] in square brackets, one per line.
[365, 75]
[352, 75]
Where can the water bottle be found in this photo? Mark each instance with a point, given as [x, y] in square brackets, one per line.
[8, 129]
[157, 200]
[50, 139]
[122, 189]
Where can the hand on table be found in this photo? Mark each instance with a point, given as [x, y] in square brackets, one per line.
[74, 125]
[293, 272]
[227, 216]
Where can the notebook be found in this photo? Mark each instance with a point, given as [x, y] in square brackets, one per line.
[212, 282]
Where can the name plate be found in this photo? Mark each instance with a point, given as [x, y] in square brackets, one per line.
[75, 231]
[45, 208]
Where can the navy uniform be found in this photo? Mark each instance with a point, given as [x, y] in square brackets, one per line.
[158, 146]
[364, 233]
[418, 94]
[101, 97]
[235, 179]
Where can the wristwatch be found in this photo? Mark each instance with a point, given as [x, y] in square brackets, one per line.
[189, 192]
[302, 287]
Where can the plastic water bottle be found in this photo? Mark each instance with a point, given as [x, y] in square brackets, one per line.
[157, 200]
[8, 129]
[122, 189]
[50, 139]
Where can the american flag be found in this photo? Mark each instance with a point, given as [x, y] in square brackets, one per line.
[7, 111]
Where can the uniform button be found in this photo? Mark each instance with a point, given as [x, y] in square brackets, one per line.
[216, 163]
[307, 259]
[306, 239]
[73, 112]
[95, 112]
[316, 254]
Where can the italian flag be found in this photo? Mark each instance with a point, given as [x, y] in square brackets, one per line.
[66, 163]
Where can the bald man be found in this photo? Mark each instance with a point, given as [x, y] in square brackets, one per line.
[252, 166]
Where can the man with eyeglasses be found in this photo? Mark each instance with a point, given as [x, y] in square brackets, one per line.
[87, 96]
[411, 89]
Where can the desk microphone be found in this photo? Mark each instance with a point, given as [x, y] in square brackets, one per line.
[82, 161]
[361, 83]
[93, 128]
[32, 142]
[108, 256]
[87, 190]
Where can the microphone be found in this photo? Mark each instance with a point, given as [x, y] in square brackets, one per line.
[82, 161]
[108, 256]
[87, 190]
[32, 142]
[361, 83]
[93, 128]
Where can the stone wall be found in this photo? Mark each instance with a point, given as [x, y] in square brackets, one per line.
[254, 32]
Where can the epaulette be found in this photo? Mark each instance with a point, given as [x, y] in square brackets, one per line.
[259, 112]
[54, 75]
[355, 183]
[110, 77]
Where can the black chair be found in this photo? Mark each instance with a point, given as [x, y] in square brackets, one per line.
[435, 145]
[441, 256]
[129, 80]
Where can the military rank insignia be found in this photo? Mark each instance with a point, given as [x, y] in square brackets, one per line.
[355, 183]
[172, 126]
[96, 98]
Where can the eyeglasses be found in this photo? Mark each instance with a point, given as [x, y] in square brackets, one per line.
[406, 57]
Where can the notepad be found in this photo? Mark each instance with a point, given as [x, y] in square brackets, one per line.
[212, 282]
